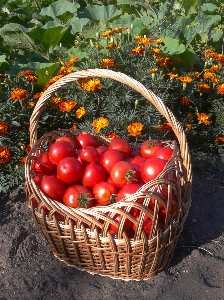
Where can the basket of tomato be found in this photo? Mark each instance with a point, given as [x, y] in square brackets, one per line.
[108, 206]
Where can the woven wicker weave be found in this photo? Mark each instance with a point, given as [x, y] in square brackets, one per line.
[80, 237]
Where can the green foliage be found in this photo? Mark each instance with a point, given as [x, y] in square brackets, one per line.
[42, 36]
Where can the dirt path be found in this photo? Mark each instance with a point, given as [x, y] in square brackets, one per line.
[29, 271]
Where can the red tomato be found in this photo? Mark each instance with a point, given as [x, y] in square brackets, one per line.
[122, 145]
[53, 187]
[105, 193]
[37, 178]
[70, 170]
[78, 196]
[123, 173]
[113, 229]
[137, 163]
[69, 140]
[164, 153]
[60, 150]
[128, 190]
[109, 158]
[146, 225]
[149, 148]
[93, 173]
[89, 154]
[45, 165]
[86, 139]
[36, 166]
[151, 168]
[101, 149]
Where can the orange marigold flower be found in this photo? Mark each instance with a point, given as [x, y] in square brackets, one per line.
[90, 84]
[22, 160]
[19, 94]
[188, 126]
[55, 101]
[153, 70]
[190, 116]
[31, 78]
[99, 47]
[163, 61]
[159, 42]
[67, 106]
[135, 129]
[220, 139]
[138, 50]
[111, 135]
[167, 126]
[185, 79]
[137, 37]
[73, 59]
[74, 126]
[25, 73]
[209, 53]
[173, 76]
[112, 46]
[155, 51]
[215, 68]
[4, 129]
[37, 95]
[100, 123]
[80, 112]
[52, 80]
[28, 148]
[108, 33]
[119, 29]
[158, 127]
[107, 62]
[65, 70]
[203, 118]
[220, 58]
[185, 100]
[220, 88]
[209, 75]
[5, 155]
[144, 41]
[204, 87]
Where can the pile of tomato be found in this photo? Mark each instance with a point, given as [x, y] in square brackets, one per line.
[81, 172]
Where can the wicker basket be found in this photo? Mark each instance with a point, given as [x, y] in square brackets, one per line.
[80, 237]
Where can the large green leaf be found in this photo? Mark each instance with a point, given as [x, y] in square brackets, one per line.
[208, 7]
[92, 27]
[12, 27]
[123, 21]
[172, 46]
[58, 8]
[102, 13]
[76, 24]
[189, 5]
[48, 37]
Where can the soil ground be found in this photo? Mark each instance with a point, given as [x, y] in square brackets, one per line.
[28, 270]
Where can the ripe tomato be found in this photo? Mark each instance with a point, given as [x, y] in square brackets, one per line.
[128, 190]
[60, 150]
[146, 225]
[78, 196]
[89, 154]
[86, 139]
[69, 140]
[93, 173]
[45, 165]
[36, 166]
[53, 187]
[101, 149]
[122, 145]
[123, 173]
[37, 178]
[164, 153]
[105, 193]
[151, 168]
[70, 170]
[137, 163]
[109, 158]
[113, 229]
[149, 148]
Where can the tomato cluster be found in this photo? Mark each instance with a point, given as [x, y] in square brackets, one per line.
[81, 172]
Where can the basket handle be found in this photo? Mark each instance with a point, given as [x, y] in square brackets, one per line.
[125, 79]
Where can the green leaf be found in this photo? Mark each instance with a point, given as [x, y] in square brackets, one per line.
[48, 37]
[189, 5]
[58, 8]
[208, 7]
[2, 59]
[76, 24]
[45, 72]
[92, 27]
[12, 27]
[172, 46]
[102, 13]
[123, 21]
[188, 59]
